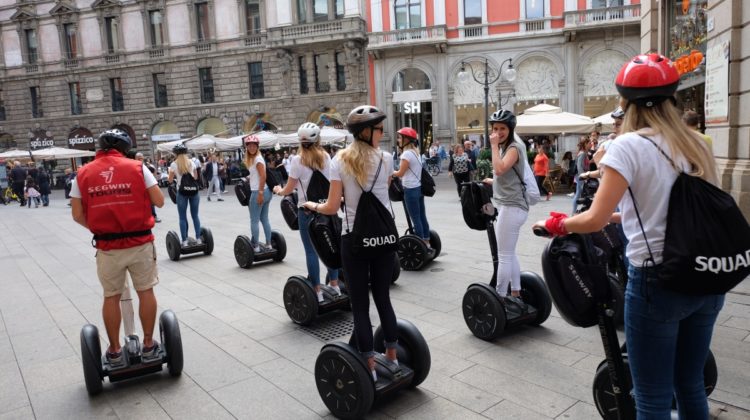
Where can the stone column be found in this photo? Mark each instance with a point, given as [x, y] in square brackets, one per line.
[731, 139]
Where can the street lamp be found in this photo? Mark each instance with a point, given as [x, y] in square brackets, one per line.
[487, 79]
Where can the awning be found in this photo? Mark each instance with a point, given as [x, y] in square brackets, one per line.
[548, 119]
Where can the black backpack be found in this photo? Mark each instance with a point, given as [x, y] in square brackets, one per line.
[188, 186]
[476, 205]
[707, 240]
[396, 189]
[317, 189]
[242, 191]
[325, 235]
[374, 232]
[289, 205]
[426, 181]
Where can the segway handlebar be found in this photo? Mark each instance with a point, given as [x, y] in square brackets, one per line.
[540, 231]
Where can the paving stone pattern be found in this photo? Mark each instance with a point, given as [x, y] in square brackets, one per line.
[244, 358]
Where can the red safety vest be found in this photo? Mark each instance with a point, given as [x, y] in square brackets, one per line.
[115, 200]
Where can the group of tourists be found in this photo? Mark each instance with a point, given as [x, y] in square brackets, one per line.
[668, 334]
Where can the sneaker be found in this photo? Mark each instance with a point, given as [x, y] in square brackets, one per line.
[320, 296]
[256, 249]
[192, 241]
[151, 352]
[571, 195]
[185, 243]
[157, 220]
[209, 198]
[198, 241]
[337, 289]
[115, 359]
[220, 199]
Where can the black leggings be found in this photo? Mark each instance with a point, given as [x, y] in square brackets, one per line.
[378, 271]
[459, 178]
[540, 183]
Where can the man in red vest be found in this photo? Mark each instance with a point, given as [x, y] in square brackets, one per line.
[112, 197]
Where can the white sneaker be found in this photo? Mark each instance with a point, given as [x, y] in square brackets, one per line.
[256, 249]
[320, 297]
[198, 241]
[185, 243]
[337, 289]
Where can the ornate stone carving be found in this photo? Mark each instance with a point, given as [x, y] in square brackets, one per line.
[537, 79]
[353, 53]
[600, 72]
[285, 65]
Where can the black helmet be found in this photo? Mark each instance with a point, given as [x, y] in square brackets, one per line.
[362, 117]
[617, 114]
[179, 149]
[115, 139]
[504, 116]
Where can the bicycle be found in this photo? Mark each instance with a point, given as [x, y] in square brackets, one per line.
[433, 166]
[9, 195]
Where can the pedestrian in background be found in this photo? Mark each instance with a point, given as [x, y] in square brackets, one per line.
[42, 181]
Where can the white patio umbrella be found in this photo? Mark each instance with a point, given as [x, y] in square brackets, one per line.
[548, 119]
[60, 153]
[15, 154]
[202, 142]
[328, 135]
[267, 140]
[606, 121]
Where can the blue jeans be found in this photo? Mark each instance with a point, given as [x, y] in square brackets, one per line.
[313, 266]
[259, 213]
[668, 336]
[182, 205]
[579, 187]
[415, 205]
[45, 199]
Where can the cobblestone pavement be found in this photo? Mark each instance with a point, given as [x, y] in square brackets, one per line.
[244, 358]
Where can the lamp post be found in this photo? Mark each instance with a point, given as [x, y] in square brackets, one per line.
[486, 78]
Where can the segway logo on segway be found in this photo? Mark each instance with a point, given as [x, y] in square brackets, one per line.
[579, 280]
[379, 241]
[725, 264]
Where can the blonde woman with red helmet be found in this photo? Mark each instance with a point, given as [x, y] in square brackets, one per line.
[668, 333]
[410, 172]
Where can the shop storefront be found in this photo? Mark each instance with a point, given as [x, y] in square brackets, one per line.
[40, 139]
[412, 104]
[686, 46]
[80, 138]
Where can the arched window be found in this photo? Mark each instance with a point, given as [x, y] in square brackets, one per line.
[408, 14]
[411, 79]
[211, 125]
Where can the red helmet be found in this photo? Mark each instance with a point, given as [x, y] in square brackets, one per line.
[250, 139]
[647, 79]
[408, 132]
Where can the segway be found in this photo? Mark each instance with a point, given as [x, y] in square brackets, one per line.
[246, 256]
[486, 313]
[175, 249]
[583, 295]
[96, 366]
[345, 383]
[413, 254]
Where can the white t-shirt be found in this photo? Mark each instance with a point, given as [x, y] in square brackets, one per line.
[352, 191]
[148, 179]
[650, 175]
[196, 162]
[254, 178]
[411, 178]
[178, 176]
[303, 174]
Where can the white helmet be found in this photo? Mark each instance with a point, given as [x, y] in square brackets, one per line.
[308, 133]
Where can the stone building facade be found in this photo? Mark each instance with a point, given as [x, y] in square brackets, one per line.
[174, 69]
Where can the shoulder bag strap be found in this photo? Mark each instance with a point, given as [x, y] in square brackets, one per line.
[671, 162]
[650, 262]
[420, 167]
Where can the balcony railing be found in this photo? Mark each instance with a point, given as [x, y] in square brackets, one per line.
[70, 63]
[346, 28]
[203, 46]
[255, 40]
[535, 25]
[390, 39]
[603, 16]
[112, 58]
[32, 68]
[156, 52]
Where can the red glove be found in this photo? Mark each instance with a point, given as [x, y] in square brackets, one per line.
[555, 225]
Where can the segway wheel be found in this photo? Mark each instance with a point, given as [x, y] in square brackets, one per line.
[534, 292]
[396, 269]
[243, 252]
[435, 242]
[279, 244]
[91, 358]
[483, 312]
[343, 382]
[171, 339]
[300, 301]
[604, 396]
[208, 240]
[173, 246]
[412, 253]
[412, 349]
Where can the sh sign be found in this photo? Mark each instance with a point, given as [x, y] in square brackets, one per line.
[412, 107]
